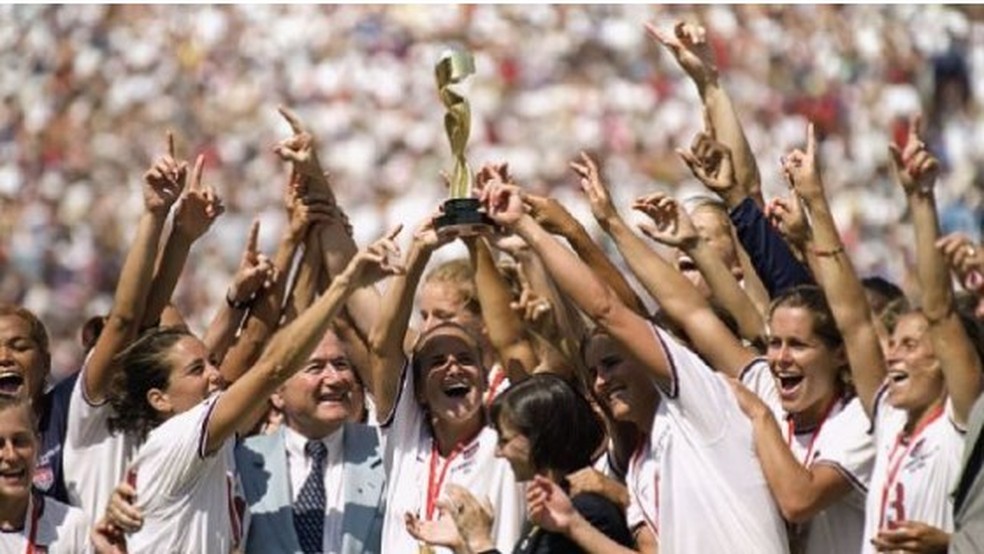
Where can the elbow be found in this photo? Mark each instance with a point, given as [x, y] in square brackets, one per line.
[604, 309]
[797, 510]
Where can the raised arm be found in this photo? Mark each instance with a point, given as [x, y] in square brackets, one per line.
[162, 185]
[244, 401]
[689, 46]
[196, 211]
[386, 354]
[505, 328]
[553, 217]
[255, 272]
[575, 279]
[264, 318]
[840, 283]
[673, 227]
[674, 293]
[916, 170]
[335, 236]
[711, 163]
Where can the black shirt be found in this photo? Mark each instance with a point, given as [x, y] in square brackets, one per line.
[603, 514]
[49, 478]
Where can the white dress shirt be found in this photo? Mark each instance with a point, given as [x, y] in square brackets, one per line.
[299, 466]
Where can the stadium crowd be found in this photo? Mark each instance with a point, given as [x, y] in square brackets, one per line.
[196, 356]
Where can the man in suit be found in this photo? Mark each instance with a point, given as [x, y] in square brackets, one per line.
[968, 505]
[317, 483]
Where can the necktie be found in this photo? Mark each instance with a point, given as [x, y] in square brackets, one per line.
[309, 509]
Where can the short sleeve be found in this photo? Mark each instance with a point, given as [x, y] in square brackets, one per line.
[758, 378]
[847, 446]
[699, 397]
[174, 452]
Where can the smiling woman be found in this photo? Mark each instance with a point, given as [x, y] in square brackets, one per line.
[28, 521]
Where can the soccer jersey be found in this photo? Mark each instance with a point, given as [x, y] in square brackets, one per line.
[914, 473]
[188, 499]
[49, 477]
[840, 441]
[52, 527]
[709, 490]
[418, 475]
[95, 459]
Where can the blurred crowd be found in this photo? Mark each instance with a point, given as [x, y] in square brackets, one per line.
[88, 93]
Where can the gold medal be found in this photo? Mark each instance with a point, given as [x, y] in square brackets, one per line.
[426, 549]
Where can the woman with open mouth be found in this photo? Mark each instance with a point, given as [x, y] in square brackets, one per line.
[917, 450]
[30, 522]
[432, 415]
[547, 430]
[170, 395]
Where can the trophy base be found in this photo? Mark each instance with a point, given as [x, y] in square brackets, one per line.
[461, 217]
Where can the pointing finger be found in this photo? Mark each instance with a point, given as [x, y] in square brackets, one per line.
[253, 236]
[292, 119]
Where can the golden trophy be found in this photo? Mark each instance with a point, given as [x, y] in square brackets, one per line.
[461, 210]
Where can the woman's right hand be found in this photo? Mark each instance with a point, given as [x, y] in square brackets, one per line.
[549, 506]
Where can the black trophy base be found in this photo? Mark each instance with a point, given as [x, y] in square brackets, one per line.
[461, 216]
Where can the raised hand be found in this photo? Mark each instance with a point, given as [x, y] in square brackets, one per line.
[595, 189]
[503, 203]
[550, 214]
[488, 174]
[915, 166]
[255, 273]
[301, 150]
[802, 169]
[305, 210]
[164, 181]
[548, 506]
[688, 44]
[380, 259]
[671, 225]
[965, 259]
[787, 215]
[711, 163]
[199, 206]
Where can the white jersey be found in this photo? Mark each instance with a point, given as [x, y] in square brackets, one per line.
[414, 469]
[189, 501]
[94, 460]
[56, 529]
[841, 441]
[914, 474]
[698, 465]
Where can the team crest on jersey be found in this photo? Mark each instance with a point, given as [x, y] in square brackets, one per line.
[44, 478]
[918, 455]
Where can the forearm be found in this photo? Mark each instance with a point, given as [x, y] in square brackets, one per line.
[166, 276]
[338, 248]
[504, 326]
[848, 303]
[308, 282]
[222, 330]
[792, 485]
[728, 293]
[570, 326]
[264, 318]
[958, 359]
[386, 355]
[601, 265]
[728, 130]
[124, 319]
[774, 263]
[680, 300]
[591, 540]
